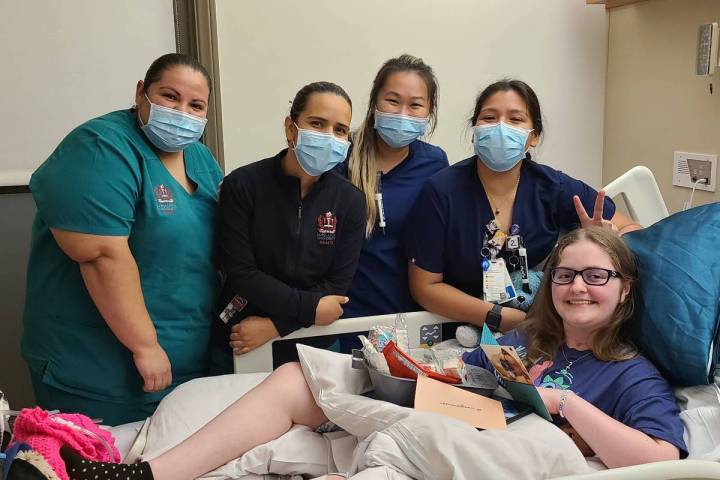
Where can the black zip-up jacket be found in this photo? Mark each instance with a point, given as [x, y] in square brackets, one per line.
[282, 253]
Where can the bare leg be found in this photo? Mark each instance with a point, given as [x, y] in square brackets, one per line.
[263, 414]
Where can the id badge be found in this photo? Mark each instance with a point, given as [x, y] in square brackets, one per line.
[236, 304]
[495, 280]
[498, 240]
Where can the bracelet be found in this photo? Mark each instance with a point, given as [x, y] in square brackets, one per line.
[561, 405]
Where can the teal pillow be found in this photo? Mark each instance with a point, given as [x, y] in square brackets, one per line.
[676, 319]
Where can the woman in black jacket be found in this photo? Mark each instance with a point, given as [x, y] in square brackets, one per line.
[289, 231]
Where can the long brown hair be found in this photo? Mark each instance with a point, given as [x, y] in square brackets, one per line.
[362, 167]
[543, 325]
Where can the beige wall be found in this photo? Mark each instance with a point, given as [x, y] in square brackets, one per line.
[268, 49]
[655, 103]
[66, 62]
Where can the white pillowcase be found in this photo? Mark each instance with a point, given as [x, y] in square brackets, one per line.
[336, 387]
[192, 405]
[195, 403]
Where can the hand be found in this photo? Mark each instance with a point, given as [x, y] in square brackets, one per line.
[551, 398]
[597, 218]
[252, 332]
[510, 318]
[154, 368]
[329, 309]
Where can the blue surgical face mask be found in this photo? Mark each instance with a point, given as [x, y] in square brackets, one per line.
[171, 130]
[318, 152]
[399, 130]
[500, 146]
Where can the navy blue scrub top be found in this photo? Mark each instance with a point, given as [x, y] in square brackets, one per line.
[446, 226]
[380, 285]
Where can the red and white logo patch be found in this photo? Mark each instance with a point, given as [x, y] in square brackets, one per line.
[326, 228]
[164, 199]
[327, 223]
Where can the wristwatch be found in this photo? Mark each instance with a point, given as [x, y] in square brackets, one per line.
[493, 318]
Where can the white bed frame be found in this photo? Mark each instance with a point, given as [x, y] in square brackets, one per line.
[261, 359]
[639, 190]
[645, 205]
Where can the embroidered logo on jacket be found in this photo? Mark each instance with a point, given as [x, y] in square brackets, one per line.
[326, 228]
[164, 199]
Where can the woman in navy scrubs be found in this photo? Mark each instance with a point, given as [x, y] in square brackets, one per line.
[465, 214]
[389, 160]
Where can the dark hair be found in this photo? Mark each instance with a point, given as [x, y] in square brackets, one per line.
[521, 88]
[363, 170]
[303, 95]
[170, 60]
[404, 63]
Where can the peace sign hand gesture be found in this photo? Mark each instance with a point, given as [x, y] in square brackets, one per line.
[597, 218]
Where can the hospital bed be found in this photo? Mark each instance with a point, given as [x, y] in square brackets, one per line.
[644, 203]
[639, 193]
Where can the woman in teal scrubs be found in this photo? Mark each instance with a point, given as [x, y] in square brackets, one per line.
[121, 281]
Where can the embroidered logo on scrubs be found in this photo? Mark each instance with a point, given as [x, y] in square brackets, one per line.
[326, 228]
[164, 199]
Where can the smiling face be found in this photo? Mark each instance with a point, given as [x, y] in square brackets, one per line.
[404, 93]
[324, 112]
[586, 308]
[508, 107]
[179, 87]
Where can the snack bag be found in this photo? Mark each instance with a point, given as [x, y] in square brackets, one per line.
[380, 336]
[374, 358]
[403, 366]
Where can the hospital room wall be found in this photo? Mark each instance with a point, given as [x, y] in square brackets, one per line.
[62, 63]
[269, 49]
[655, 103]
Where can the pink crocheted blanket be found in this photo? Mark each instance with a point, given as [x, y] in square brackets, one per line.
[45, 435]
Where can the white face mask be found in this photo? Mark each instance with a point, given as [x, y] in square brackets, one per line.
[319, 152]
[500, 146]
[399, 130]
[171, 130]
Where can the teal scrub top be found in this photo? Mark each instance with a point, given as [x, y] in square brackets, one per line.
[106, 179]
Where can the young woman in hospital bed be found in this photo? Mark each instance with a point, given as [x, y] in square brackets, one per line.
[617, 403]
[501, 190]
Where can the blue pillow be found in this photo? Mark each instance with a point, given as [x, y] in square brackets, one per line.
[676, 320]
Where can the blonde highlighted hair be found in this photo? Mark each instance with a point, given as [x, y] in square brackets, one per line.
[362, 165]
[543, 325]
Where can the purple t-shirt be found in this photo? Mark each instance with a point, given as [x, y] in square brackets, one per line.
[631, 391]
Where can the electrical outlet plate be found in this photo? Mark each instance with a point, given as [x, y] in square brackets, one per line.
[688, 167]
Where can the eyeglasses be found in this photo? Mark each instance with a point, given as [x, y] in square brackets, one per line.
[591, 276]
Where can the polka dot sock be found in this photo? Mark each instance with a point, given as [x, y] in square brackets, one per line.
[80, 469]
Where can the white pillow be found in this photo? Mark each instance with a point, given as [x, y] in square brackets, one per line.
[192, 405]
[441, 447]
[336, 387]
[195, 403]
